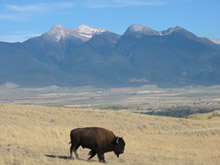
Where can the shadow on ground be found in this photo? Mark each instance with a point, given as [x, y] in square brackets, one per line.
[66, 158]
[58, 156]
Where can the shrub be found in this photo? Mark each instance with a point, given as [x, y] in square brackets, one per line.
[180, 112]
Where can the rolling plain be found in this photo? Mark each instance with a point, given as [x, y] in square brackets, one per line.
[35, 126]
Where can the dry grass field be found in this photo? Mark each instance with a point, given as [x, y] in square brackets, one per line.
[40, 135]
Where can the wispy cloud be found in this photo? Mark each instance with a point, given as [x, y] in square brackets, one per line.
[23, 12]
[19, 36]
[124, 3]
[8, 16]
[24, 8]
[40, 7]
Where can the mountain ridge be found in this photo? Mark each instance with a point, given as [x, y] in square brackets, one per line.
[83, 32]
[95, 56]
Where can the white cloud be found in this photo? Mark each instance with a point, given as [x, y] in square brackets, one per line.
[36, 7]
[142, 2]
[6, 16]
[39, 7]
[124, 3]
[22, 12]
[14, 17]
[18, 36]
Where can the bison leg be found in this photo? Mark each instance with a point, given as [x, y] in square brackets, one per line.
[92, 153]
[101, 157]
[74, 149]
[75, 152]
[71, 151]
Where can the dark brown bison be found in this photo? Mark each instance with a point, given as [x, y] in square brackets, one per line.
[99, 140]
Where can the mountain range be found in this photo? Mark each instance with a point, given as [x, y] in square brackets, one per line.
[95, 56]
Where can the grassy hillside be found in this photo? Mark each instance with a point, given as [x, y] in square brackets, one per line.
[40, 135]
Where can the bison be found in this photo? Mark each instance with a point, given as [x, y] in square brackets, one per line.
[99, 140]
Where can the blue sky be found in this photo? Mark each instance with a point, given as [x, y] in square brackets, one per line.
[23, 19]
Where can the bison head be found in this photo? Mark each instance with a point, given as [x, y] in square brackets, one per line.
[119, 145]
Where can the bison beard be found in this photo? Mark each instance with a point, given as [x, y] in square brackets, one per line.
[99, 140]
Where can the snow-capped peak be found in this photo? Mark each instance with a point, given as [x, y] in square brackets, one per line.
[170, 30]
[59, 31]
[57, 27]
[138, 28]
[142, 29]
[214, 40]
[148, 31]
[87, 31]
[82, 32]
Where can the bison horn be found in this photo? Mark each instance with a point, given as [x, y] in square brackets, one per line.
[117, 140]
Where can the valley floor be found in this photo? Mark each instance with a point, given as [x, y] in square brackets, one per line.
[40, 135]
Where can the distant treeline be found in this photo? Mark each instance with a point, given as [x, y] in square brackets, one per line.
[179, 112]
[112, 107]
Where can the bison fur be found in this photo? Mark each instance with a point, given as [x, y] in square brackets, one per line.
[99, 140]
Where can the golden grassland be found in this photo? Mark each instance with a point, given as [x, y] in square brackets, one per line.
[40, 135]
